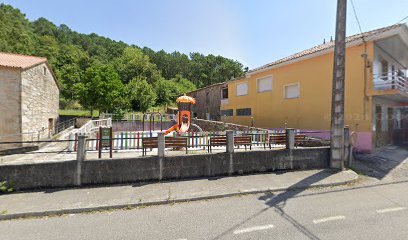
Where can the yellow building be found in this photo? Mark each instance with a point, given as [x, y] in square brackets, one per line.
[296, 91]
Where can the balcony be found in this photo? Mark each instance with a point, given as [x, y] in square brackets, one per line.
[399, 83]
[393, 87]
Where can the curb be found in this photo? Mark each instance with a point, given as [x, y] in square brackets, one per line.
[162, 202]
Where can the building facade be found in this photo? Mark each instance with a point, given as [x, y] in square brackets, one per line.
[296, 91]
[208, 101]
[29, 98]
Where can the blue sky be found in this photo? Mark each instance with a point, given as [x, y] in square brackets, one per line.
[254, 32]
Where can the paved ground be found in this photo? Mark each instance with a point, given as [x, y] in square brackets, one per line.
[87, 199]
[375, 207]
[376, 212]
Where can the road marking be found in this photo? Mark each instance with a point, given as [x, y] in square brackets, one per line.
[322, 220]
[385, 210]
[251, 229]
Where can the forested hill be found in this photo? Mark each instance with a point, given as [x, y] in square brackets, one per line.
[133, 77]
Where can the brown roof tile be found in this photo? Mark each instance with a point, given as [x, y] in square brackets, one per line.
[19, 61]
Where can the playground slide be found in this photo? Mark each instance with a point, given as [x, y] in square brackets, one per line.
[184, 127]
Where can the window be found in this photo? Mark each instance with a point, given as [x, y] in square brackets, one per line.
[207, 97]
[265, 84]
[384, 70]
[242, 89]
[224, 93]
[227, 112]
[292, 91]
[244, 112]
[45, 70]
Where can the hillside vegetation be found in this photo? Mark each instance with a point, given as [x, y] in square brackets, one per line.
[106, 75]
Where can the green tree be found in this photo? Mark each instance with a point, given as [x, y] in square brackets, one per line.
[133, 63]
[102, 89]
[15, 31]
[141, 94]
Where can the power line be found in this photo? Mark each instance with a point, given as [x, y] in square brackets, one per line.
[355, 15]
[358, 21]
[400, 21]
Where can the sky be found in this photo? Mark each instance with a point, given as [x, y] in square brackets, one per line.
[254, 32]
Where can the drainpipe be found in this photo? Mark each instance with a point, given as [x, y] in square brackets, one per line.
[365, 56]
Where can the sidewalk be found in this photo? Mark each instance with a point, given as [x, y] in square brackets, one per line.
[64, 201]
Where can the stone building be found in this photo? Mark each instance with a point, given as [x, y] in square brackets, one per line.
[209, 101]
[29, 98]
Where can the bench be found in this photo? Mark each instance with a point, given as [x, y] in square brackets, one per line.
[281, 139]
[222, 141]
[170, 142]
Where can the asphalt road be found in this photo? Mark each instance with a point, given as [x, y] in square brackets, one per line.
[359, 212]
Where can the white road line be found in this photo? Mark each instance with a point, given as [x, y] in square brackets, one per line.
[322, 220]
[251, 229]
[385, 210]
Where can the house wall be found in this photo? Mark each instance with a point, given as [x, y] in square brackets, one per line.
[39, 100]
[312, 110]
[10, 120]
[206, 105]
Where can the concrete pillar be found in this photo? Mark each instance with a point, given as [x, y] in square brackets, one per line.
[161, 144]
[160, 152]
[230, 141]
[71, 144]
[230, 150]
[347, 146]
[81, 156]
[290, 138]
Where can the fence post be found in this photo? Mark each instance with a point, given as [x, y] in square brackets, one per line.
[230, 150]
[347, 146]
[160, 152]
[71, 142]
[81, 156]
[290, 138]
[230, 141]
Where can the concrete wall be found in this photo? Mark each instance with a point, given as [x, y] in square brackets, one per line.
[39, 99]
[111, 171]
[210, 104]
[10, 104]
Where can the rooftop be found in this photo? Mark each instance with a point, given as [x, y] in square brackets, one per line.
[328, 45]
[19, 61]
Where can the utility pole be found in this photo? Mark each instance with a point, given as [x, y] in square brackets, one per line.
[337, 110]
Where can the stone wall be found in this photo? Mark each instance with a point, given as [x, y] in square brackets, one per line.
[210, 104]
[207, 125]
[39, 99]
[10, 102]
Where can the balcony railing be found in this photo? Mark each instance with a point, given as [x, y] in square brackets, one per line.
[391, 82]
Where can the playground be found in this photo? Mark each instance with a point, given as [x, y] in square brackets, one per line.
[107, 139]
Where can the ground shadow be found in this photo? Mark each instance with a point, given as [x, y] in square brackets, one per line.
[380, 163]
[278, 202]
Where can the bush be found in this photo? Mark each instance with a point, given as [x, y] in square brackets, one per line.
[6, 187]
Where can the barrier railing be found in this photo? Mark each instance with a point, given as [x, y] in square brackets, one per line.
[65, 125]
[94, 125]
[386, 82]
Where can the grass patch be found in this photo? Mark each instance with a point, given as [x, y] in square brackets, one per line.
[78, 113]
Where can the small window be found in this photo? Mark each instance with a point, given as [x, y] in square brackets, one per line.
[244, 112]
[292, 91]
[384, 69]
[242, 89]
[45, 70]
[265, 84]
[227, 112]
[224, 93]
[207, 97]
